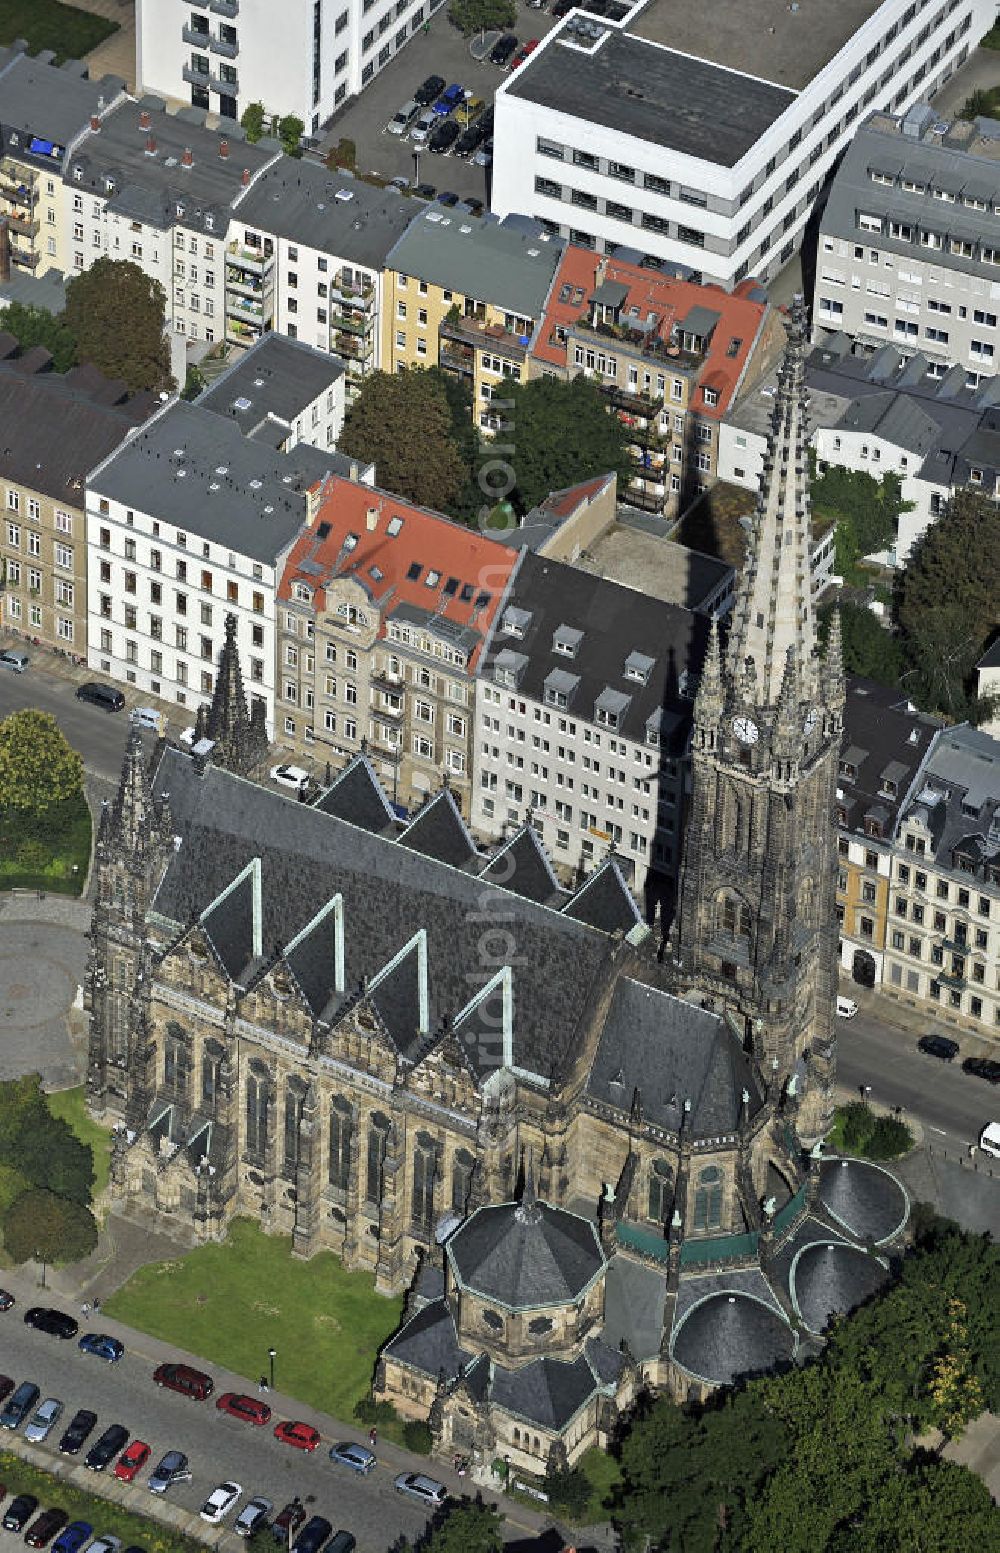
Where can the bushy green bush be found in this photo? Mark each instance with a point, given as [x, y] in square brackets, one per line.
[417, 1437]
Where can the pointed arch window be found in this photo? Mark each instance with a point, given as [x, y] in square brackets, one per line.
[341, 1135]
[462, 1166]
[175, 1060]
[734, 916]
[211, 1068]
[294, 1101]
[378, 1140]
[708, 1199]
[424, 1172]
[256, 1113]
[661, 1179]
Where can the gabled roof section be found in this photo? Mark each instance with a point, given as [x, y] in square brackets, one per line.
[605, 901]
[315, 956]
[438, 830]
[356, 796]
[233, 922]
[547, 1392]
[400, 994]
[429, 1343]
[521, 865]
[484, 1028]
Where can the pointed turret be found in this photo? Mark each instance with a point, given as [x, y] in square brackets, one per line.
[130, 822]
[240, 739]
[528, 1211]
[773, 609]
[834, 688]
[709, 699]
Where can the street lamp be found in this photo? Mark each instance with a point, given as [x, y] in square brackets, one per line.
[272, 1354]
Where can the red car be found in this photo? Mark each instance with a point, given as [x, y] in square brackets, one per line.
[132, 1461]
[252, 1409]
[523, 52]
[303, 1436]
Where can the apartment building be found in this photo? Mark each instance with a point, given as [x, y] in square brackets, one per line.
[703, 139]
[158, 189]
[988, 686]
[384, 612]
[583, 713]
[189, 522]
[909, 247]
[222, 55]
[282, 393]
[942, 949]
[43, 111]
[55, 427]
[467, 294]
[886, 741]
[305, 258]
[668, 355]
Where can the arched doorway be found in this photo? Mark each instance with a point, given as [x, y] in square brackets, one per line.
[864, 968]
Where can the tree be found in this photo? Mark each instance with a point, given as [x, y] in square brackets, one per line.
[402, 423]
[469, 1527]
[934, 1506]
[865, 511]
[569, 1490]
[34, 326]
[37, 766]
[117, 315]
[254, 121]
[40, 1225]
[948, 603]
[50, 1155]
[558, 433]
[290, 132]
[868, 648]
[471, 16]
[467, 501]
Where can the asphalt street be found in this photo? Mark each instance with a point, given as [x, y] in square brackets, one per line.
[99, 736]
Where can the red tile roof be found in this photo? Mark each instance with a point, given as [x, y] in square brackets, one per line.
[401, 555]
[564, 503]
[669, 299]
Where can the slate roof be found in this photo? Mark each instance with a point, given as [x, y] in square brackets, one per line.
[634, 1299]
[57, 427]
[829, 1280]
[429, 1342]
[331, 211]
[727, 1336]
[868, 1201]
[356, 796]
[522, 866]
[43, 101]
[671, 1051]
[526, 1257]
[493, 261]
[605, 901]
[885, 741]
[958, 798]
[548, 1392]
[275, 377]
[438, 830]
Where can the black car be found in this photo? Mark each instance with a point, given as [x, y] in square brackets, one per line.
[111, 1444]
[44, 1529]
[474, 207]
[504, 48]
[982, 1067]
[424, 191]
[938, 1046]
[76, 1431]
[105, 696]
[468, 140]
[447, 199]
[430, 91]
[444, 137]
[19, 1405]
[56, 1322]
[313, 1535]
[19, 1512]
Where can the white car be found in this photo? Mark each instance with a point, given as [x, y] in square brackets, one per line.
[290, 776]
[105, 1545]
[423, 126]
[989, 1139]
[252, 1515]
[219, 1502]
[420, 1487]
[43, 1420]
[400, 122]
[149, 717]
[846, 1008]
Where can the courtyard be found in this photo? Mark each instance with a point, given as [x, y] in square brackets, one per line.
[48, 24]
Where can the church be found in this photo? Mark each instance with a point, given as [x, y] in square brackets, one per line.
[587, 1150]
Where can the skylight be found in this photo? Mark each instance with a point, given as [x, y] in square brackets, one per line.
[414, 570]
[394, 527]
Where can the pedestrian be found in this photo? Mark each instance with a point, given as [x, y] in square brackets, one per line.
[97, 1307]
[85, 1309]
[262, 1383]
[372, 1436]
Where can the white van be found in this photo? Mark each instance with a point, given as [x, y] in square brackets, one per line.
[989, 1139]
[846, 1008]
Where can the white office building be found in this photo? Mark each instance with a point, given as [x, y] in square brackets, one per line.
[701, 137]
[303, 58]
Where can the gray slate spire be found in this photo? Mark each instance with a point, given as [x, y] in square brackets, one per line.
[240, 738]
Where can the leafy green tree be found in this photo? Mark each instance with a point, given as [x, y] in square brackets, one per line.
[194, 381]
[465, 435]
[34, 326]
[471, 16]
[290, 132]
[402, 422]
[40, 1225]
[50, 1155]
[869, 648]
[254, 121]
[38, 767]
[568, 1490]
[117, 315]
[933, 1505]
[559, 433]
[865, 511]
[948, 603]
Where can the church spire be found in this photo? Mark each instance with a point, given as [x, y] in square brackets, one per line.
[239, 736]
[773, 611]
[134, 815]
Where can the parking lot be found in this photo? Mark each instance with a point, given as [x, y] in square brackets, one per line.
[442, 51]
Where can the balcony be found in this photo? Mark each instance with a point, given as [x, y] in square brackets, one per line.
[201, 40]
[642, 406]
[354, 347]
[210, 83]
[390, 714]
[349, 324]
[17, 184]
[478, 333]
[256, 260]
[650, 498]
[244, 307]
[239, 332]
[220, 46]
[457, 358]
[384, 677]
[228, 8]
[362, 296]
[27, 226]
[248, 285]
[26, 258]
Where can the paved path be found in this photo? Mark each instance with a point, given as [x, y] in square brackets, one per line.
[42, 965]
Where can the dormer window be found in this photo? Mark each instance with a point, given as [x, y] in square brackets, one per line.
[711, 396]
[566, 640]
[301, 593]
[179, 211]
[638, 667]
[559, 688]
[78, 175]
[610, 708]
[516, 623]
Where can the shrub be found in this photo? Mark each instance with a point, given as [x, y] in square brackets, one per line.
[417, 1437]
[568, 1490]
[858, 1124]
[39, 1224]
[889, 1138]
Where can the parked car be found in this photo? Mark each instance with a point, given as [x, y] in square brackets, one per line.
[403, 117]
[431, 89]
[313, 1535]
[424, 191]
[105, 696]
[473, 206]
[287, 1522]
[484, 156]
[77, 1431]
[449, 99]
[420, 1487]
[219, 1502]
[7, 1301]
[341, 1542]
[131, 1461]
[41, 1531]
[102, 1346]
[358, 1457]
[171, 1468]
[252, 1409]
[400, 183]
[503, 49]
[293, 1432]
[104, 1449]
[447, 199]
[444, 137]
[185, 1379]
[16, 662]
[19, 1512]
[105, 1545]
[73, 1538]
[290, 776]
[563, 8]
[56, 1322]
[983, 1067]
[469, 139]
[938, 1046]
[523, 52]
[252, 1516]
[19, 1405]
[846, 1008]
[423, 126]
[43, 1420]
[469, 110]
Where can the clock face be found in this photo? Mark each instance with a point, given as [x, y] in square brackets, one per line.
[746, 730]
[812, 718]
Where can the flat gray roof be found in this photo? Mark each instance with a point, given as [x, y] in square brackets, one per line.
[197, 470]
[670, 99]
[277, 376]
[53, 104]
[657, 567]
[763, 38]
[331, 211]
[488, 260]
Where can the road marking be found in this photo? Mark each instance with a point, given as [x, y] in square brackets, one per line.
[940, 1130]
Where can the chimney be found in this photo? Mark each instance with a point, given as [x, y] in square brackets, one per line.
[223, 148]
[144, 119]
[371, 518]
[245, 180]
[95, 124]
[4, 249]
[150, 145]
[187, 157]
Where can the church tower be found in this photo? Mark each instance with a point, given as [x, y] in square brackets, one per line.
[756, 926]
[239, 735]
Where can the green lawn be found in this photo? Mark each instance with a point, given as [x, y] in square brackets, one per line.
[231, 1302]
[46, 24]
[40, 851]
[21, 1477]
[71, 1106]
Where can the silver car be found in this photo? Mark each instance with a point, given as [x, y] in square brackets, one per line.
[17, 662]
[252, 1514]
[423, 126]
[401, 121]
[43, 1420]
